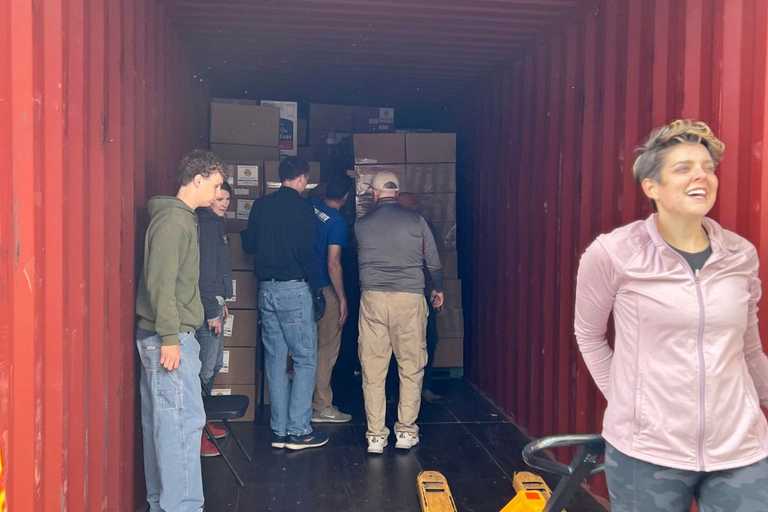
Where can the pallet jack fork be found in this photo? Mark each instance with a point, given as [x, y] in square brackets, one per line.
[532, 492]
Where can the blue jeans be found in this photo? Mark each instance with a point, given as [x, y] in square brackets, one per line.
[172, 418]
[289, 327]
[211, 355]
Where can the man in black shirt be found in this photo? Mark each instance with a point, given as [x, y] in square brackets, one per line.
[280, 233]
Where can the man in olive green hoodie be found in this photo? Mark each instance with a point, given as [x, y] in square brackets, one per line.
[169, 311]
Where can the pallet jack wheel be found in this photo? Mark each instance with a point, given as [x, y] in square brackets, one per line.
[434, 492]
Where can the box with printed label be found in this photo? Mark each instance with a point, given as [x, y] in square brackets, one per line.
[244, 122]
[243, 208]
[325, 119]
[379, 148]
[241, 328]
[449, 353]
[239, 366]
[251, 391]
[430, 147]
[245, 288]
[289, 125]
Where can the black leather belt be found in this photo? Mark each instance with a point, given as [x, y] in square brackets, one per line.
[282, 280]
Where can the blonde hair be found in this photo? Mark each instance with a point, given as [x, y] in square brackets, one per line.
[650, 156]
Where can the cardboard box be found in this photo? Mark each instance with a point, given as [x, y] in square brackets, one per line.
[438, 207]
[289, 125]
[245, 288]
[430, 147]
[246, 175]
[272, 175]
[251, 391]
[325, 119]
[445, 236]
[243, 154]
[452, 289]
[243, 208]
[363, 184]
[450, 323]
[240, 259]
[450, 264]
[430, 178]
[244, 122]
[449, 353]
[379, 148]
[241, 329]
[239, 367]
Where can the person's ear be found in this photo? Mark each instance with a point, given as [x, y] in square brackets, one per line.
[650, 188]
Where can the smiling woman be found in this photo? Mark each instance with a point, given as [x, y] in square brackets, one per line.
[683, 292]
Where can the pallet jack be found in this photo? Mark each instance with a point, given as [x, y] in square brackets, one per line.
[532, 492]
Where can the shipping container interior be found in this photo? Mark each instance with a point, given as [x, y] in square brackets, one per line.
[548, 99]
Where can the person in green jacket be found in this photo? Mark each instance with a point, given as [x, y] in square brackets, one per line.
[169, 310]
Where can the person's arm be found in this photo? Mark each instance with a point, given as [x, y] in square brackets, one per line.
[209, 248]
[434, 268]
[249, 236]
[757, 361]
[595, 295]
[305, 240]
[337, 280]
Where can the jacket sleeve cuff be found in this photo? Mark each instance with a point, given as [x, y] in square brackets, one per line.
[170, 339]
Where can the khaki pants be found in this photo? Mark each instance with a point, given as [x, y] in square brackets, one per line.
[392, 321]
[328, 344]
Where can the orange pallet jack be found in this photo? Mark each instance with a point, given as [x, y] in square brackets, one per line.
[533, 493]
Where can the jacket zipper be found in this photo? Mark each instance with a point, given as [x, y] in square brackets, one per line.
[700, 351]
[702, 372]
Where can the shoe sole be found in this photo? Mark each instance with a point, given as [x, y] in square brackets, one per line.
[402, 447]
[296, 447]
[329, 420]
[278, 445]
[377, 452]
[210, 455]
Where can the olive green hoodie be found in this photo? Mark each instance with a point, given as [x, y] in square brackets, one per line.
[168, 298]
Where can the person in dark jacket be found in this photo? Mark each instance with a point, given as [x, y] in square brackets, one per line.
[281, 235]
[215, 289]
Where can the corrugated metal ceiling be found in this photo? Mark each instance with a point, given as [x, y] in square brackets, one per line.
[399, 52]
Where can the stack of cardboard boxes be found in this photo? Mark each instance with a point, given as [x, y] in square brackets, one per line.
[426, 166]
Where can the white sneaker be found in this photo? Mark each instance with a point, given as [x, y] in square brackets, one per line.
[406, 440]
[376, 444]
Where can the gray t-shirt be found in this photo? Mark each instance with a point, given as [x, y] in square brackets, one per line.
[394, 247]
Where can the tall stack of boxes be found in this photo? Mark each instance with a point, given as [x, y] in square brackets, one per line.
[426, 166]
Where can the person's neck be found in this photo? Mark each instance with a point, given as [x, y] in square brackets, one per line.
[187, 196]
[685, 234]
[293, 186]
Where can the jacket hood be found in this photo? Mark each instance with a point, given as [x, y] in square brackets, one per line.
[159, 204]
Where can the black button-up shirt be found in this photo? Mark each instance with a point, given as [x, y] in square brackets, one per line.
[281, 234]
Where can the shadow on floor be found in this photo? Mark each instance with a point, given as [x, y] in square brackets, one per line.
[463, 436]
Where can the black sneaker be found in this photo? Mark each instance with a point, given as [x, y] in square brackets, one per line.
[278, 441]
[313, 440]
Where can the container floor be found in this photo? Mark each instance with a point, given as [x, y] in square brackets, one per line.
[464, 436]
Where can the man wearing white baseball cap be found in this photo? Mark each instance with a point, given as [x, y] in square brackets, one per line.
[394, 246]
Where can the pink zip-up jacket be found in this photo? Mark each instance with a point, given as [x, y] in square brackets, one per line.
[687, 374]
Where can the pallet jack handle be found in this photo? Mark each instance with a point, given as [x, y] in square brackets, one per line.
[584, 464]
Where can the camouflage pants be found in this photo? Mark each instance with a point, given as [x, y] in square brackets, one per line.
[638, 486]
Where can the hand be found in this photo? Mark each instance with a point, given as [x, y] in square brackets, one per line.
[215, 326]
[343, 312]
[170, 357]
[438, 300]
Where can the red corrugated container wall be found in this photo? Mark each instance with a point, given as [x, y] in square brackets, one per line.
[548, 157]
[96, 106]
